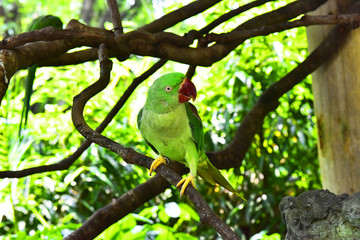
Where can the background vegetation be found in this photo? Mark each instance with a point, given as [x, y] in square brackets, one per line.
[282, 160]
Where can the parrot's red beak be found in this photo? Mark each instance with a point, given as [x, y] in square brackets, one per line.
[187, 91]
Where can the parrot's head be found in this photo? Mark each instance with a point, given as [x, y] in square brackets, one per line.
[169, 91]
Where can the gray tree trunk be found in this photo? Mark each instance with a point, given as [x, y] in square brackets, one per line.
[336, 89]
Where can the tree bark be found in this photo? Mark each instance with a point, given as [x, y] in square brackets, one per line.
[336, 88]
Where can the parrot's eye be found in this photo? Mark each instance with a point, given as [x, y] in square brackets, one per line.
[168, 89]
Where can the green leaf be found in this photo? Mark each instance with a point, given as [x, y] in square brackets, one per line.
[163, 216]
[71, 176]
[187, 213]
[149, 211]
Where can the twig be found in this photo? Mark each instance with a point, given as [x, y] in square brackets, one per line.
[231, 14]
[115, 16]
[352, 19]
[283, 14]
[192, 68]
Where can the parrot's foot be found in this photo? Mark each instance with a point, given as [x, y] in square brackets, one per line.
[185, 182]
[159, 160]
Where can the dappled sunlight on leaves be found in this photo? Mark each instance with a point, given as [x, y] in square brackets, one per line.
[281, 161]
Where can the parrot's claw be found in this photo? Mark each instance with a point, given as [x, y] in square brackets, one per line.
[185, 182]
[159, 160]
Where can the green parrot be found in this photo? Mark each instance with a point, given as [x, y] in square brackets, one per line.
[37, 23]
[171, 125]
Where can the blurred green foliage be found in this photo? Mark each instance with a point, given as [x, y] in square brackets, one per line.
[281, 161]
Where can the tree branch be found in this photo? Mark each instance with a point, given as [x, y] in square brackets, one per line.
[115, 16]
[119, 208]
[225, 17]
[178, 15]
[351, 19]
[71, 58]
[282, 14]
[137, 42]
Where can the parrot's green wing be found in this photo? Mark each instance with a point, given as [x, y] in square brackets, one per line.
[205, 169]
[139, 116]
[196, 126]
[38, 23]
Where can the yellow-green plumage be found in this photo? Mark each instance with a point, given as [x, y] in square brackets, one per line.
[173, 129]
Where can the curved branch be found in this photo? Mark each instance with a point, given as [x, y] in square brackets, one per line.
[130, 156]
[67, 162]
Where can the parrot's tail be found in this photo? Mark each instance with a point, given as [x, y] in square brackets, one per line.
[212, 175]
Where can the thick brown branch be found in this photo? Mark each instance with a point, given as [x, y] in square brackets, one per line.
[119, 208]
[72, 38]
[178, 15]
[352, 19]
[280, 15]
[71, 58]
[74, 30]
